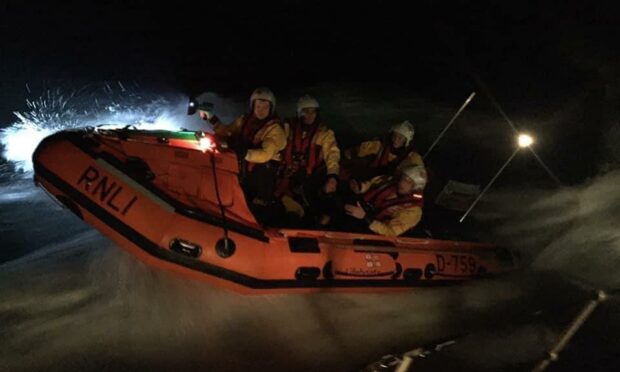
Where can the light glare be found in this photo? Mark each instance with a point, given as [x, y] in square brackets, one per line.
[525, 140]
[206, 144]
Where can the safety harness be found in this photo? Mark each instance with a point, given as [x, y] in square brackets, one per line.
[301, 146]
[382, 159]
[380, 203]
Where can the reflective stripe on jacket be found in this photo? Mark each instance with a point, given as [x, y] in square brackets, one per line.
[393, 214]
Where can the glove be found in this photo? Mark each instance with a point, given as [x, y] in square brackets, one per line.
[354, 185]
[241, 153]
[209, 115]
[206, 108]
[330, 186]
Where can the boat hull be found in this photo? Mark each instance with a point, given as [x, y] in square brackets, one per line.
[182, 231]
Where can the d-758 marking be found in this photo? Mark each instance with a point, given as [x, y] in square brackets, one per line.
[456, 264]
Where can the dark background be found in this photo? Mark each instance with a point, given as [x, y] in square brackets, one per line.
[425, 43]
[530, 58]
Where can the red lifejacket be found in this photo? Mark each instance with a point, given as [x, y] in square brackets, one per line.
[252, 130]
[379, 199]
[302, 143]
[383, 156]
[382, 160]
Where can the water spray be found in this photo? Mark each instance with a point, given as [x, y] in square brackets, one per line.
[54, 111]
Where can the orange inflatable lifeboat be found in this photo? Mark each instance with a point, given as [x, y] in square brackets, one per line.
[174, 200]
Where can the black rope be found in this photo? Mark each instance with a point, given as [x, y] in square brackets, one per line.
[219, 200]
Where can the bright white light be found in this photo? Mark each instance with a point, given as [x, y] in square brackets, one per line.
[206, 144]
[20, 141]
[525, 140]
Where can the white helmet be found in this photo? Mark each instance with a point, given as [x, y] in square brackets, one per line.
[306, 102]
[265, 94]
[406, 130]
[417, 174]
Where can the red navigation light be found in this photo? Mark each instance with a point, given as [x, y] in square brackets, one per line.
[206, 144]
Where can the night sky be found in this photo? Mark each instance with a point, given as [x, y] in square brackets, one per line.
[293, 42]
[527, 57]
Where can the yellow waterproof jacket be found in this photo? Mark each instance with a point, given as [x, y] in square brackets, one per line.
[401, 217]
[373, 147]
[271, 139]
[326, 140]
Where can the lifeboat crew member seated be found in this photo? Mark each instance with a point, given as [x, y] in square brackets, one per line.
[311, 163]
[386, 205]
[383, 157]
[258, 138]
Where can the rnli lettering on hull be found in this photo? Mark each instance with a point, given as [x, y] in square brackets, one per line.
[108, 192]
